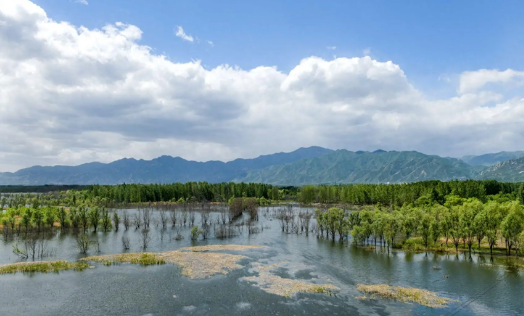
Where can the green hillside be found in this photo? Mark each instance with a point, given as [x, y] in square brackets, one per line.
[344, 166]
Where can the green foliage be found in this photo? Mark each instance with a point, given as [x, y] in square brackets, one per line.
[195, 232]
[464, 221]
[105, 220]
[148, 259]
[94, 217]
[43, 267]
[512, 225]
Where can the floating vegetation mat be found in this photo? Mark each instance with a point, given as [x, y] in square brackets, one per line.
[275, 284]
[404, 294]
[220, 248]
[195, 262]
[141, 258]
[42, 266]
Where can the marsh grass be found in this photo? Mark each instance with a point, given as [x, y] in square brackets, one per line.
[404, 294]
[42, 267]
[143, 259]
[195, 262]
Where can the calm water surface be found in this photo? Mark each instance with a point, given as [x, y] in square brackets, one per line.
[479, 286]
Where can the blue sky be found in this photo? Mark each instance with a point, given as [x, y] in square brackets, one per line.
[439, 77]
[429, 39]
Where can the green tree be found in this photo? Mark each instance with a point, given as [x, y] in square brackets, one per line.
[116, 220]
[492, 219]
[106, 219]
[38, 218]
[424, 228]
[512, 225]
[62, 217]
[49, 216]
[94, 217]
[195, 232]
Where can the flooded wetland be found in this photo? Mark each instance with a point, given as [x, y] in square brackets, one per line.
[245, 267]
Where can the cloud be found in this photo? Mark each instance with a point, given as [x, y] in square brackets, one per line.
[366, 51]
[72, 95]
[331, 47]
[210, 43]
[180, 33]
[84, 2]
[473, 80]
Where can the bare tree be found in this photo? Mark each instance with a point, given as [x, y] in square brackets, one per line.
[126, 242]
[137, 221]
[146, 215]
[163, 218]
[178, 236]
[251, 228]
[204, 217]
[184, 217]
[126, 220]
[174, 217]
[82, 243]
[145, 238]
[96, 242]
[305, 219]
[226, 231]
[206, 230]
[191, 218]
[224, 217]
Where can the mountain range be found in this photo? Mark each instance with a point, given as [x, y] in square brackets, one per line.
[312, 165]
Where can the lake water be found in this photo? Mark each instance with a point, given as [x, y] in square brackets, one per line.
[479, 286]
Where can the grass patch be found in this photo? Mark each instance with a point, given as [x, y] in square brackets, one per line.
[42, 267]
[405, 294]
[148, 259]
[195, 262]
[143, 259]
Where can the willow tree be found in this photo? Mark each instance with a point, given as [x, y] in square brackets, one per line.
[512, 225]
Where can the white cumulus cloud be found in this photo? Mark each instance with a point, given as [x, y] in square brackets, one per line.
[473, 80]
[72, 94]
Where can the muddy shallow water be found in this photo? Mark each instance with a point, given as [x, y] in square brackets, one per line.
[478, 286]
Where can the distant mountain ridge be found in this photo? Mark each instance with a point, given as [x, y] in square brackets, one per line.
[493, 158]
[312, 165]
[164, 169]
[344, 166]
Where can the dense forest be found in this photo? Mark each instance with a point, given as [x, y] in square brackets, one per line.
[409, 193]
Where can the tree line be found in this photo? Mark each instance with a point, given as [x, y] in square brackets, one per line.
[458, 222]
[409, 193]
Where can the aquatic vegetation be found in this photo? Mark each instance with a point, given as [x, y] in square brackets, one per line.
[200, 265]
[42, 266]
[271, 283]
[144, 259]
[195, 262]
[220, 248]
[404, 294]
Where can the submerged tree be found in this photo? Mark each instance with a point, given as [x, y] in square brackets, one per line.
[116, 220]
[82, 243]
[94, 217]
